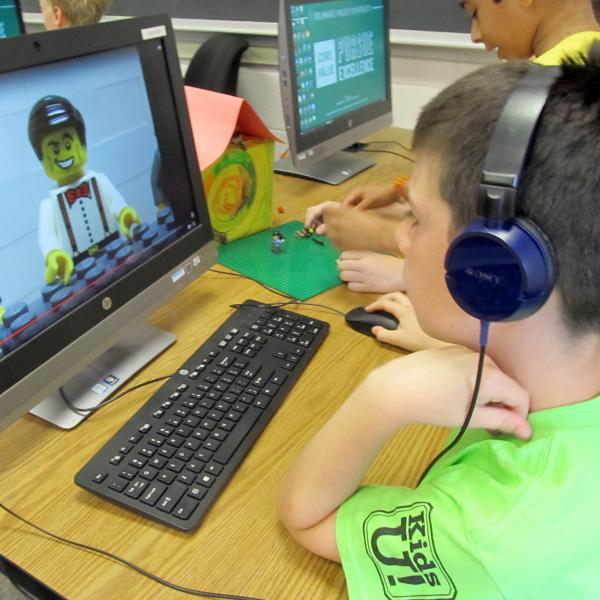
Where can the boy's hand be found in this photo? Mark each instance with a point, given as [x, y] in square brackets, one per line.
[314, 216]
[435, 387]
[408, 334]
[365, 197]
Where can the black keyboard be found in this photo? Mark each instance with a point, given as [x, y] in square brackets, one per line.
[174, 456]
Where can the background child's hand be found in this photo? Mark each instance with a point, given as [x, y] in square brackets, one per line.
[409, 334]
[366, 271]
[314, 216]
[371, 196]
[435, 387]
[350, 229]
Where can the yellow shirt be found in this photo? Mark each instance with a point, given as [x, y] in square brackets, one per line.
[575, 46]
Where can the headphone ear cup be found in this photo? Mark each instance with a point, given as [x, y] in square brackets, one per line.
[500, 274]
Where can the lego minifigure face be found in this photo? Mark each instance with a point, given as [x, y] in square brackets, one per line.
[63, 155]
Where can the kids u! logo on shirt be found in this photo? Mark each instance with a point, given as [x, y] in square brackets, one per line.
[400, 544]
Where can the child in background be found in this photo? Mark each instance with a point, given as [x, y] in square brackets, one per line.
[510, 514]
[70, 13]
[547, 31]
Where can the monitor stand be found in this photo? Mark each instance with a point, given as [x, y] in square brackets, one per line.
[104, 376]
[333, 170]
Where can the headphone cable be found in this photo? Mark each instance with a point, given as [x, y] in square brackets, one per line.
[483, 335]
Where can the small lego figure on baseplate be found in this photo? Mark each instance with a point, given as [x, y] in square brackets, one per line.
[277, 240]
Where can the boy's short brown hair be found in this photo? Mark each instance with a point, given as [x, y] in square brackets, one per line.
[560, 187]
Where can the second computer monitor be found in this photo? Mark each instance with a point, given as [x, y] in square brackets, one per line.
[335, 82]
[11, 18]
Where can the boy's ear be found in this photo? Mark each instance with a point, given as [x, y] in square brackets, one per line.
[526, 3]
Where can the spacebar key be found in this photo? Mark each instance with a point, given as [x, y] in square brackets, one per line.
[236, 437]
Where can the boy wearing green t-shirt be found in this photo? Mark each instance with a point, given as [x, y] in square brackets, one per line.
[513, 514]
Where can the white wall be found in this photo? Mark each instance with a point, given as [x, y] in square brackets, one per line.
[422, 64]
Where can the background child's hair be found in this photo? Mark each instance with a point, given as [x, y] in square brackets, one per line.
[560, 185]
[82, 12]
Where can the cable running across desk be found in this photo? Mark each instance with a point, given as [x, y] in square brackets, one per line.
[125, 562]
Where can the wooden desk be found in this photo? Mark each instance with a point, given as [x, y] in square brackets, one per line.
[241, 547]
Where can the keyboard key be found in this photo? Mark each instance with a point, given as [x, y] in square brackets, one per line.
[262, 401]
[136, 488]
[186, 477]
[206, 479]
[153, 493]
[214, 469]
[185, 508]
[170, 497]
[226, 451]
[175, 465]
[118, 485]
[197, 492]
[167, 476]
[148, 473]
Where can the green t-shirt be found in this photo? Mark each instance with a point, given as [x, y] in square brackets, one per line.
[495, 518]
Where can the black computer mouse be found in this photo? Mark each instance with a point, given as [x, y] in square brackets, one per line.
[361, 320]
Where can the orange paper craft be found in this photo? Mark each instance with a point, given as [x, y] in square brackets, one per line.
[216, 117]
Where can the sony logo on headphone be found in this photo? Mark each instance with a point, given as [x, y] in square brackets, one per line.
[484, 276]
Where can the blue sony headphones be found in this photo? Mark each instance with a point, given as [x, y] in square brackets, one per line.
[501, 266]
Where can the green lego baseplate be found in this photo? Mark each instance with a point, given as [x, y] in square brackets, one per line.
[303, 268]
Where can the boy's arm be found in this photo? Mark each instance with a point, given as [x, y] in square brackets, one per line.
[329, 470]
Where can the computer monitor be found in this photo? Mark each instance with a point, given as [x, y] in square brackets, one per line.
[103, 211]
[334, 68]
[11, 18]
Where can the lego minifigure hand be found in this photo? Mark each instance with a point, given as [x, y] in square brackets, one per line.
[127, 218]
[58, 264]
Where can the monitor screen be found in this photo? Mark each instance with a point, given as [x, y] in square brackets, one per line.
[11, 18]
[334, 71]
[103, 210]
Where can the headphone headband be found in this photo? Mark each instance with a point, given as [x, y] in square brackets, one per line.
[501, 267]
[511, 142]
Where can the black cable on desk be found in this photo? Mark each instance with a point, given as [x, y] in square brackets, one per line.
[389, 152]
[127, 563]
[391, 142]
[84, 412]
[289, 299]
[267, 287]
